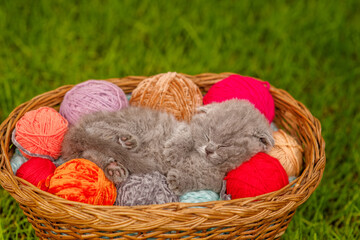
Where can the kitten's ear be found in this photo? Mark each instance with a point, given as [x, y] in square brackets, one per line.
[203, 109]
[265, 138]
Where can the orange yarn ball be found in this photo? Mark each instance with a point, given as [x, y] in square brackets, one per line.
[288, 152]
[170, 92]
[39, 133]
[80, 180]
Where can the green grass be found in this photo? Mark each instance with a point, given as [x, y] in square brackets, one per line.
[309, 48]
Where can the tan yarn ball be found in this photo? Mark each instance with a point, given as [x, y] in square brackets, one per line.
[171, 92]
[288, 152]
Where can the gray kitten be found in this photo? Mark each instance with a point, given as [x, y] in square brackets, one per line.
[224, 135]
[194, 156]
[127, 141]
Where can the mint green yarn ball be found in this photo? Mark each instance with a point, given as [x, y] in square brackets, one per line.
[199, 196]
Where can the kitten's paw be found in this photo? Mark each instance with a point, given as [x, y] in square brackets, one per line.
[173, 180]
[128, 141]
[116, 173]
[171, 156]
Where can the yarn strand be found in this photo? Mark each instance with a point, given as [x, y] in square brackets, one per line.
[18, 145]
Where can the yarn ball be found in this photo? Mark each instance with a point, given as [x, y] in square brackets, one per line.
[261, 174]
[288, 151]
[40, 132]
[80, 180]
[291, 179]
[170, 92]
[17, 160]
[145, 189]
[36, 169]
[247, 88]
[274, 127]
[199, 196]
[128, 96]
[92, 96]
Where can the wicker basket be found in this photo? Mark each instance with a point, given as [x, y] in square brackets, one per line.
[266, 218]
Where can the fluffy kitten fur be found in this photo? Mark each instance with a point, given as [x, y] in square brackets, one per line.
[224, 135]
[193, 156]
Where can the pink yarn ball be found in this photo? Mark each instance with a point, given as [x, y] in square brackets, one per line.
[40, 132]
[92, 96]
[241, 87]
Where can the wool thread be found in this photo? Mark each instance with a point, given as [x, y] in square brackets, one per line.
[145, 189]
[17, 160]
[92, 96]
[170, 92]
[80, 180]
[35, 170]
[39, 133]
[259, 175]
[242, 87]
[199, 196]
[288, 152]
[273, 126]
[291, 179]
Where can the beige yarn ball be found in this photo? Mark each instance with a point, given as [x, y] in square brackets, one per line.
[171, 92]
[288, 152]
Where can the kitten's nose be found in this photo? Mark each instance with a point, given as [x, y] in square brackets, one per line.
[209, 151]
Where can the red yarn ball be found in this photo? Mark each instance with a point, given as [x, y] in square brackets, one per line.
[261, 174]
[36, 169]
[247, 88]
[80, 180]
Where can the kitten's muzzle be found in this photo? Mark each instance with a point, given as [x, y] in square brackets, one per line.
[210, 148]
[209, 151]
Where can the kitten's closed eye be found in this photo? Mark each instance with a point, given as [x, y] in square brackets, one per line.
[207, 137]
[223, 146]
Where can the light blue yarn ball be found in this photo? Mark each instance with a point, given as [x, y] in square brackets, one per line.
[130, 234]
[128, 96]
[292, 178]
[17, 160]
[199, 196]
[274, 127]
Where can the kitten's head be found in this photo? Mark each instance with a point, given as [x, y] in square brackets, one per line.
[91, 132]
[230, 132]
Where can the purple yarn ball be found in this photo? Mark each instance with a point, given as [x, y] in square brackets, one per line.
[92, 96]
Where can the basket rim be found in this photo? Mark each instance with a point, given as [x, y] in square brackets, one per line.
[289, 197]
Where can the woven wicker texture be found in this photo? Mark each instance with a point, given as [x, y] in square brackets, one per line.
[171, 92]
[266, 218]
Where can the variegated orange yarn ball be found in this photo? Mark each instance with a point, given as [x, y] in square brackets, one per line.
[170, 92]
[288, 152]
[80, 180]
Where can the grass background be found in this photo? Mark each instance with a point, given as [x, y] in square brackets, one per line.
[309, 48]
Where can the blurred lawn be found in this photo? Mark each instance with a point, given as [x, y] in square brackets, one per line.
[309, 48]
